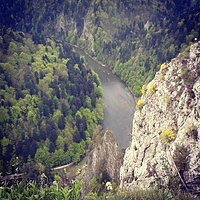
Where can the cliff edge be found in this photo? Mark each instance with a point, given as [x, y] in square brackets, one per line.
[165, 147]
[101, 164]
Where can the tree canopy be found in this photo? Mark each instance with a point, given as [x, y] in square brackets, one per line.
[49, 104]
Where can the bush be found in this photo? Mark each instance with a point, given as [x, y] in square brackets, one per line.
[160, 77]
[191, 131]
[151, 194]
[167, 136]
[166, 99]
[163, 66]
[143, 89]
[32, 191]
[185, 73]
[181, 159]
[152, 87]
[140, 104]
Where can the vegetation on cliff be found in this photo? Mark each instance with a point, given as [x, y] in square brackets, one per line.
[164, 152]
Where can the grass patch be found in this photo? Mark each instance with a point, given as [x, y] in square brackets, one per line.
[151, 194]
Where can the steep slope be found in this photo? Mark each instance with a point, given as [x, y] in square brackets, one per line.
[165, 148]
[101, 164]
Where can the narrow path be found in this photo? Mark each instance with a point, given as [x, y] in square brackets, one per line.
[62, 167]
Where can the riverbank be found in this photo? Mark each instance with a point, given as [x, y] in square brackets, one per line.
[118, 100]
[106, 66]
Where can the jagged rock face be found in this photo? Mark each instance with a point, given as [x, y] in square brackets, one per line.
[104, 158]
[171, 102]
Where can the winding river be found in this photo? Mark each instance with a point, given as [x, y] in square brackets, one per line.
[119, 104]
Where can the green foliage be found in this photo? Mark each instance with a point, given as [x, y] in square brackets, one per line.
[12, 48]
[167, 136]
[31, 191]
[185, 74]
[4, 143]
[98, 91]
[91, 196]
[165, 99]
[99, 111]
[150, 194]
[43, 88]
[163, 66]
[140, 104]
[95, 186]
[160, 77]
[181, 159]
[4, 116]
[151, 89]
[43, 156]
[117, 34]
[76, 151]
[143, 89]
[76, 190]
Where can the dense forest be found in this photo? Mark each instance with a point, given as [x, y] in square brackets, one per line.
[132, 37]
[50, 103]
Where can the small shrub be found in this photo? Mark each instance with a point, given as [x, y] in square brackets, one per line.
[181, 159]
[188, 78]
[143, 89]
[160, 77]
[151, 88]
[91, 196]
[184, 51]
[165, 99]
[185, 73]
[191, 131]
[167, 136]
[95, 185]
[163, 66]
[140, 104]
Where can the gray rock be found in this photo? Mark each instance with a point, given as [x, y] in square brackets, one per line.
[148, 162]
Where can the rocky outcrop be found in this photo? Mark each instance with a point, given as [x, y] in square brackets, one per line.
[165, 146]
[102, 162]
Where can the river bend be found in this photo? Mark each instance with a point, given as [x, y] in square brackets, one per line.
[119, 104]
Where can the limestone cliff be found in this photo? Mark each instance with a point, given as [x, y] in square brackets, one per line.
[102, 163]
[165, 147]
[104, 159]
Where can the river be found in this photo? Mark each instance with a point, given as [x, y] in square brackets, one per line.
[119, 104]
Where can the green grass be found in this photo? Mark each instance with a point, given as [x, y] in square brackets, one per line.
[162, 194]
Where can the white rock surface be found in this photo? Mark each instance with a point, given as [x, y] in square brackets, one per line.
[175, 104]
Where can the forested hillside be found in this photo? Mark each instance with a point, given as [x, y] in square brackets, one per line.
[132, 37]
[50, 103]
